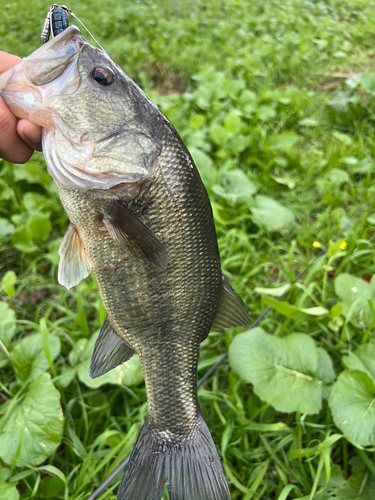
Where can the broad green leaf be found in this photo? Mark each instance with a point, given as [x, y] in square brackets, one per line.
[335, 311]
[352, 404]
[349, 160]
[197, 122]
[344, 138]
[50, 487]
[308, 122]
[337, 177]
[235, 187]
[39, 225]
[233, 123]
[284, 371]
[268, 213]
[34, 202]
[4, 473]
[284, 142]
[8, 491]
[349, 288]
[286, 181]
[31, 429]
[219, 135]
[7, 323]
[22, 239]
[359, 486]
[266, 113]
[247, 102]
[342, 109]
[6, 228]
[237, 144]
[28, 357]
[325, 371]
[362, 359]
[8, 282]
[7, 330]
[205, 166]
[292, 311]
[129, 373]
[355, 294]
[364, 166]
[32, 173]
[366, 81]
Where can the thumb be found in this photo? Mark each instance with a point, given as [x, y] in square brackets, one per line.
[30, 133]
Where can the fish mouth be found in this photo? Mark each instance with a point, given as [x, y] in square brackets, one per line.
[25, 86]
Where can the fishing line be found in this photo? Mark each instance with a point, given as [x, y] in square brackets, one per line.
[88, 31]
[210, 372]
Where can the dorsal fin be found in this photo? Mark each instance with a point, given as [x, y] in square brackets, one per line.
[110, 351]
[231, 311]
[129, 231]
[74, 264]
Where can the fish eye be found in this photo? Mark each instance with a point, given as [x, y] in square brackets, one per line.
[103, 76]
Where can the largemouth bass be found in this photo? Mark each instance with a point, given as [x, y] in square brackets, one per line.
[141, 221]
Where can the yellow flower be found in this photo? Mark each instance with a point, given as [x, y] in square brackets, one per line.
[316, 244]
[343, 245]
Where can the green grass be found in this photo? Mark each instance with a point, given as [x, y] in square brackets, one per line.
[261, 87]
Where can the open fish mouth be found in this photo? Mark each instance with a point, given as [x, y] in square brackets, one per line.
[25, 86]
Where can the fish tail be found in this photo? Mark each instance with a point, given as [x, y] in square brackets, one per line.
[189, 467]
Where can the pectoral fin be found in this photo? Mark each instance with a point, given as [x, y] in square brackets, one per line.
[231, 311]
[109, 351]
[74, 265]
[129, 231]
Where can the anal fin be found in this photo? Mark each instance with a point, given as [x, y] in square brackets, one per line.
[74, 264]
[110, 351]
[129, 231]
[232, 311]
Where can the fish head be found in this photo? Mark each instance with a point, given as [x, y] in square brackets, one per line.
[99, 127]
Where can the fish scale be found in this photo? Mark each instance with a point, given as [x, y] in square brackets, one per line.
[180, 302]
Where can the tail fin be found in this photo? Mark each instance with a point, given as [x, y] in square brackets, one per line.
[191, 468]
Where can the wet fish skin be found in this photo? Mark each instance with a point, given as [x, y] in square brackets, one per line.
[141, 221]
[163, 315]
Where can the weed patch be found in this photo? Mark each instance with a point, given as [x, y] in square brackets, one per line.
[275, 101]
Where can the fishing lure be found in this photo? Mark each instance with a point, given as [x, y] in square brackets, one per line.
[57, 21]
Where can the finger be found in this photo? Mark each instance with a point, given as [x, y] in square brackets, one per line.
[12, 147]
[30, 133]
[8, 61]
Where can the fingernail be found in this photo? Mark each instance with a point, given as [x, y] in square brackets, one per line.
[33, 133]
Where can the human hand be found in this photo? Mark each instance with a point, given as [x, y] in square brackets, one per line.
[18, 138]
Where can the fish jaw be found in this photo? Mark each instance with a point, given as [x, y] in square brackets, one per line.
[26, 87]
[22, 98]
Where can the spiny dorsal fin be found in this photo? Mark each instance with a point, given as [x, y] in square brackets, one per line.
[74, 265]
[129, 231]
[109, 351]
[231, 311]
